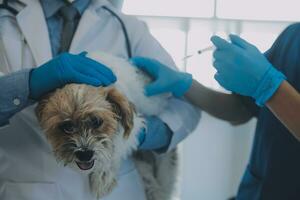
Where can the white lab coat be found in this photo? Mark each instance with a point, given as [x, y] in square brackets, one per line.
[28, 169]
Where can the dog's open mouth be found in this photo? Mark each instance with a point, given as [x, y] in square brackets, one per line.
[85, 165]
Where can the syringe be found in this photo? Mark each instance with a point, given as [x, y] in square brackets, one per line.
[200, 51]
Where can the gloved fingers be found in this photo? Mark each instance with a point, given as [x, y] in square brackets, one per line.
[109, 75]
[220, 43]
[84, 62]
[91, 72]
[154, 88]
[141, 136]
[83, 79]
[222, 55]
[220, 79]
[140, 62]
[104, 79]
[227, 81]
[240, 42]
[146, 64]
[217, 77]
[224, 60]
[216, 64]
[83, 54]
[220, 66]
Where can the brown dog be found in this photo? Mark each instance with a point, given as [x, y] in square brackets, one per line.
[92, 129]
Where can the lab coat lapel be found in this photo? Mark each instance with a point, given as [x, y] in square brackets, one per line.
[89, 20]
[33, 25]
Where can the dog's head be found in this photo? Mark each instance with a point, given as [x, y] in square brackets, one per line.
[81, 122]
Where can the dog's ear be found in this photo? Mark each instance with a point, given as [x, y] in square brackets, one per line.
[40, 108]
[123, 109]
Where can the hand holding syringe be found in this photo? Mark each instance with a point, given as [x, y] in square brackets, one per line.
[209, 48]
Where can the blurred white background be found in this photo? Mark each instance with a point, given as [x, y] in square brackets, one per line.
[215, 156]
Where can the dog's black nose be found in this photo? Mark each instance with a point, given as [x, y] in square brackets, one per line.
[84, 155]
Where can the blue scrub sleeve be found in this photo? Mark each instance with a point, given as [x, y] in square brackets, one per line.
[14, 92]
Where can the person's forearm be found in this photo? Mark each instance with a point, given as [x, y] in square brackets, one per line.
[223, 106]
[14, 92]
[285, 104]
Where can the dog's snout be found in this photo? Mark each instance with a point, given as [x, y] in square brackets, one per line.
[85, 155]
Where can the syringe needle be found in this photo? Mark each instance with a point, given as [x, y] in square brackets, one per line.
[200, 52]
[188, 56]
[206, 49]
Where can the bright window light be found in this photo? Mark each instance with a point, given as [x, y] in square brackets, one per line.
[263, 41]
[174, 45]
[281, 10]
[262, 35]
[201, 65]
[178, 8]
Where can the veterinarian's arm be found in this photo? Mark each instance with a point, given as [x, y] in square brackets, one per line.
[14, 93]
[228, 107]
[285, 105]
[253, 75]
[180, 116]
[22, 88]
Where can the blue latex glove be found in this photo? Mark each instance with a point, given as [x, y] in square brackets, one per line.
[157, 135]
[241, 68]
[165, 79]
[68, 68]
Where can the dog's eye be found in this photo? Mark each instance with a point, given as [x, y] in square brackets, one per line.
[95, 122]
[67, 127]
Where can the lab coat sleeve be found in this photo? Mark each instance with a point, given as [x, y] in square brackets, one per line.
[181, 117]
[14, 92]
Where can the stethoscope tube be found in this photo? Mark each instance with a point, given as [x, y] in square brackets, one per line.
[128, 45]
[5, 5]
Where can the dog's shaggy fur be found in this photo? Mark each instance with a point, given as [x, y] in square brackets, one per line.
[94, 129]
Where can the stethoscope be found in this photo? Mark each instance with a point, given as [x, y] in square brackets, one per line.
[6, 6]
[127, 41]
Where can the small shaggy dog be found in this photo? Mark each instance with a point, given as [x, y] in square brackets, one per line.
[93, 129]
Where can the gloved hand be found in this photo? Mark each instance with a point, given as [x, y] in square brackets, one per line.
[241, 68]
[68, 68]
[165, 79]
[156, 136]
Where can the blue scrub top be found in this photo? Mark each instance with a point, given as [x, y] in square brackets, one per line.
[273, 172]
